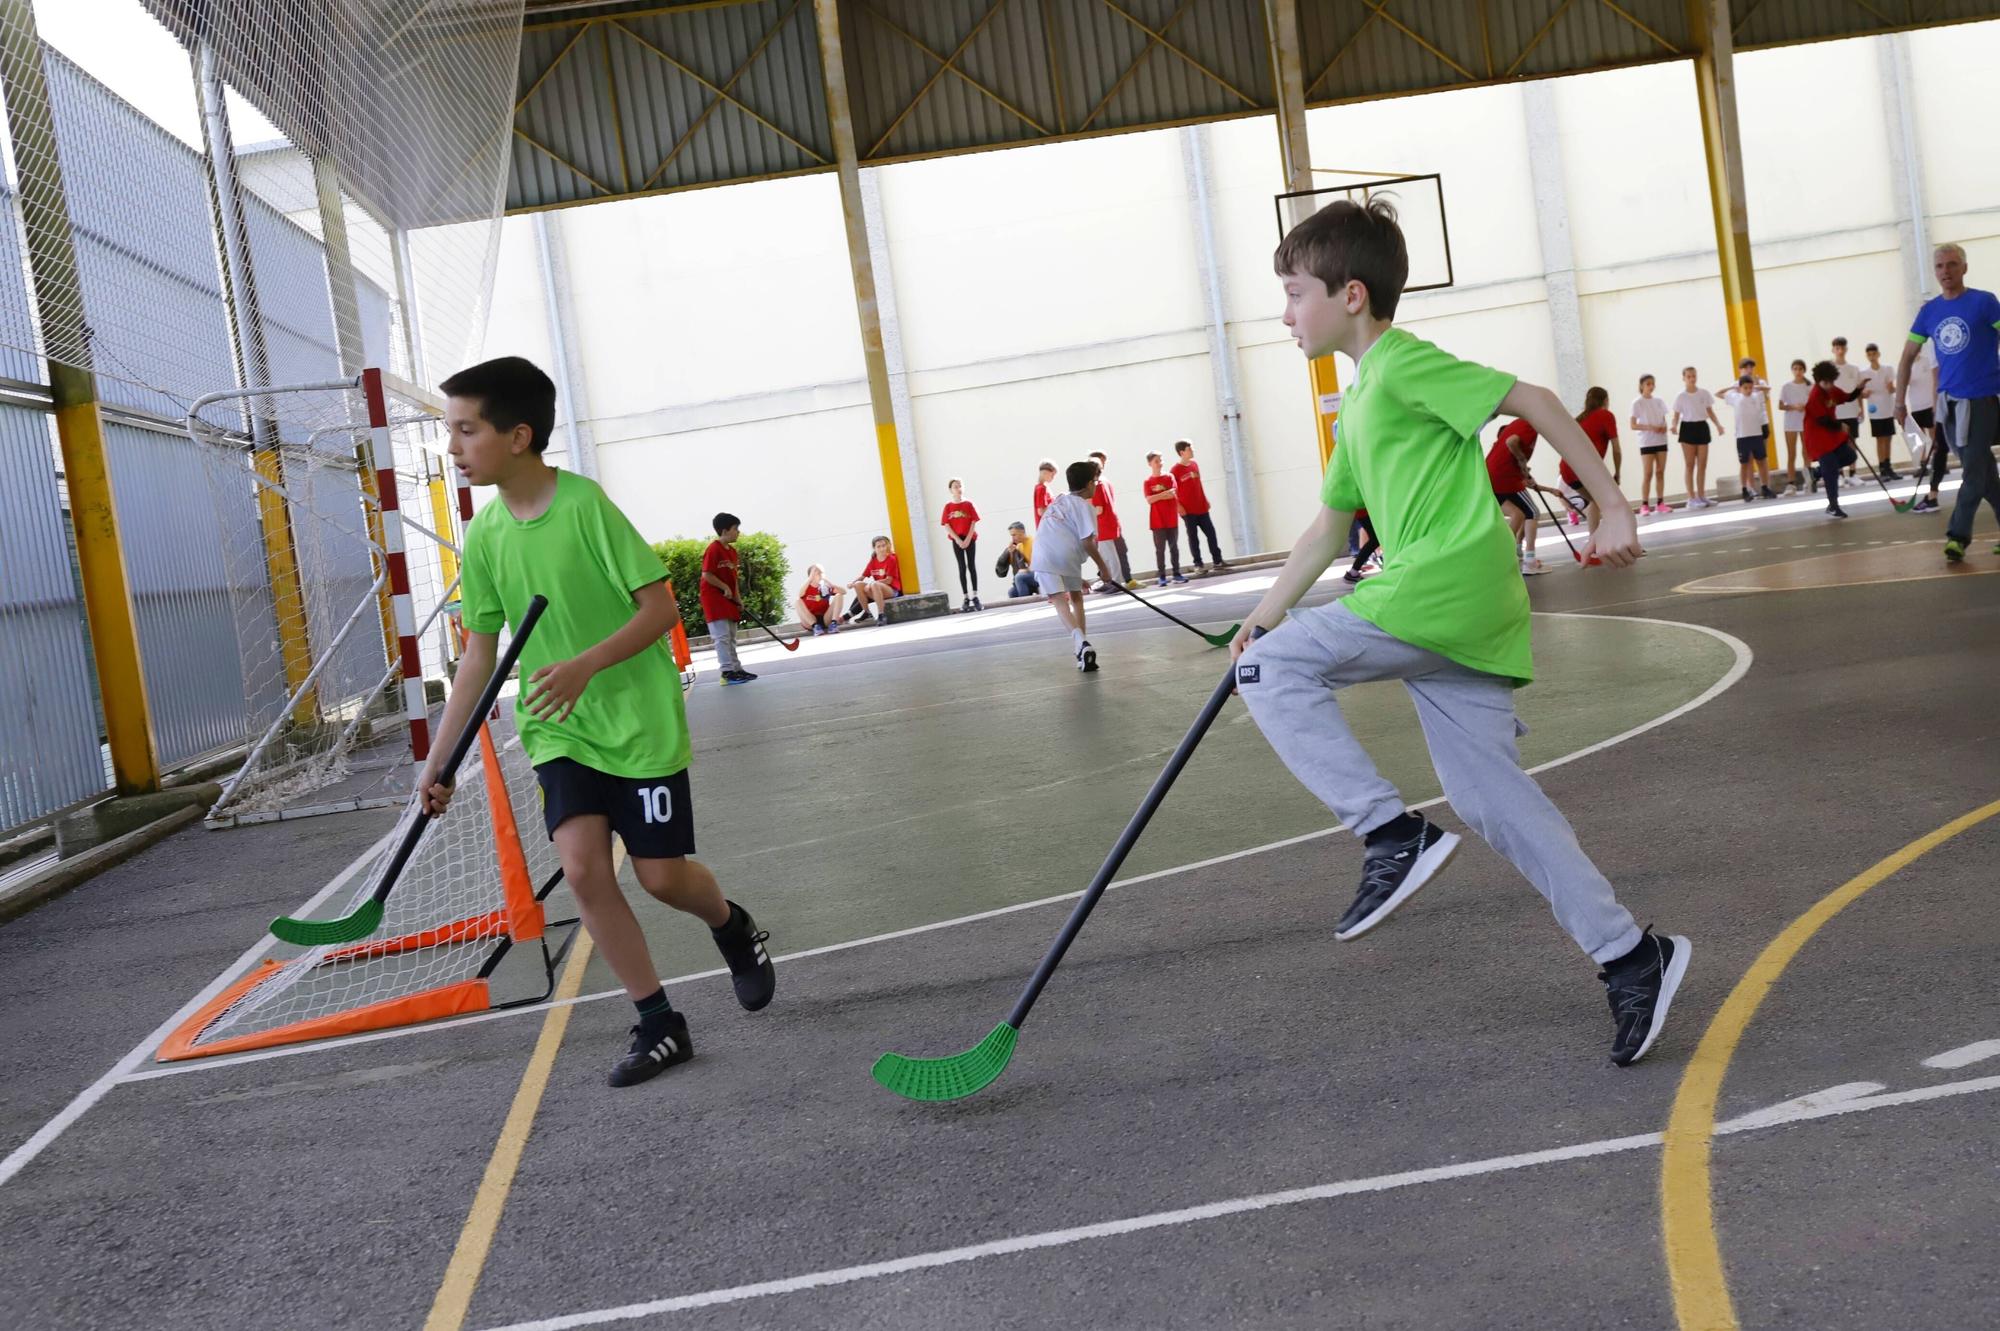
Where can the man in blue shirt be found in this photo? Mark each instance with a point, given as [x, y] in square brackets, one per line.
[1963, 324]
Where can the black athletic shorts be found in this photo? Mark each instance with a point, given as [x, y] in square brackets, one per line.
[1694, 432]
[1882, 427]
[1922, 416]
[1518, 498]
[1750, 448]
[653, 816]
[1851, 424]
[1653, 448]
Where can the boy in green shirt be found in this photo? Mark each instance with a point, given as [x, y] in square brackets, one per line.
[600, 710]
[1447, 615]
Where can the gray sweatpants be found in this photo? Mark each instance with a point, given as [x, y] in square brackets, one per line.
[1288, 678]
[1973, 427]
[723, 633]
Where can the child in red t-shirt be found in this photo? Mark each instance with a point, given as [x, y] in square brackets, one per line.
[961, 524]
[1601, 428]
[1194, 508]
[1109, 534]
[1043, 495]
[1828, 447]
[1163, 517]
[818, 603]
[1507, 468]
[881, 581]
[721, 602]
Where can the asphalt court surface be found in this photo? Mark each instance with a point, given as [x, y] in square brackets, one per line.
[1438, 1090]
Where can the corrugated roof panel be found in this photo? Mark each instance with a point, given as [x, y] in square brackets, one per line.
[1780, 22]
[1124, 77]
[1350, 50]
[1589, 34]
[1030, 71]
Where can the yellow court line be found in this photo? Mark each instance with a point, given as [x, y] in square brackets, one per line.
[475, 1240]
[1687, 1212]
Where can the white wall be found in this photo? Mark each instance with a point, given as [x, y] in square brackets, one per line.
[1050, 305]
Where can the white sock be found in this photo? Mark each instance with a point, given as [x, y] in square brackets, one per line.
[1076, 639]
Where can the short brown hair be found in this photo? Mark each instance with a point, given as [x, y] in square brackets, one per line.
[1351, 242]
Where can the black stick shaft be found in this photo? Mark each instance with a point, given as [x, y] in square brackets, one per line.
[489, 697]
[1126, 840]
[767, 630]
[1158, 611]
[1559, 526]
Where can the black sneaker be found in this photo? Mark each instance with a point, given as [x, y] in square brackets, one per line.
[1769, 493]
[1925, 505]
[741, 944]
[744, 677]
[1641, 987]
[1086, 660]
[656, 1046]
[1391, 873]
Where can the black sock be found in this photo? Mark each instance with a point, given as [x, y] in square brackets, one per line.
[733, 924]
[1642, 951]
[654, 1007]
[1400, 828]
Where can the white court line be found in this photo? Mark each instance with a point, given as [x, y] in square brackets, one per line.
[1060, 1238]
[1965, 1055]
[20, 1156]
[1743, 658]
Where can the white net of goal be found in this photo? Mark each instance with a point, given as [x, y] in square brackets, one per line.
[462, 931]
[327, 510]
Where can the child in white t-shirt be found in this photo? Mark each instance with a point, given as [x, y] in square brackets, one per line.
[1792, 406]
[1752, 434]
[1649, 426]
[1694, 412]
[1065, 537]
[1878, 398]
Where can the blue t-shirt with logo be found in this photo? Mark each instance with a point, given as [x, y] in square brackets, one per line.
[1966, 333]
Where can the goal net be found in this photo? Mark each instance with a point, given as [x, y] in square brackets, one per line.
[333, 521]
[469, 899]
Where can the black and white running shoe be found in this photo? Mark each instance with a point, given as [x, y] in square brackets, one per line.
[751, 971]
[1086, 659]
[656, 1046]
[1641, 986]
[1392, 872]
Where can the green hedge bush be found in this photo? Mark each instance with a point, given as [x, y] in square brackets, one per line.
[761, 577]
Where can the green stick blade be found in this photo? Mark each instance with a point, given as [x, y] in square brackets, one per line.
[951, 1078]
[319, 933]
[1224, 638]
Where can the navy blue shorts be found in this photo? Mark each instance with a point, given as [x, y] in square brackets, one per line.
[653, 816]
[1518, 498]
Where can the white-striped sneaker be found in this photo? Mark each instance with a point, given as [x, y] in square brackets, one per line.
[656, 1046]
[751, 971]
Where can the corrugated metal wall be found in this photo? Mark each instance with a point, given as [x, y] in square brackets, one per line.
[160, 337]
[612, 105]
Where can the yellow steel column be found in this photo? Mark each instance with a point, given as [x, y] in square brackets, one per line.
[826, 14]
[1281, 22]
[107, 592]
[1715, 88]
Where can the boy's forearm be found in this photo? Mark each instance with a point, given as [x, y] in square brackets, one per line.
[653, 620]
[1311, 554]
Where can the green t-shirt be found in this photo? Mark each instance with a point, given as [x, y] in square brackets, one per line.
[588, 559]
[1408, 452]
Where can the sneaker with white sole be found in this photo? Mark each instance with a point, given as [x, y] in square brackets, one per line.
[1086, 657]
[1641, 986]
[751, 972]
[1391, 873]
[657, 1044]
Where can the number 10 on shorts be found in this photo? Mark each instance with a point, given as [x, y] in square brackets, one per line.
[657, 804]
